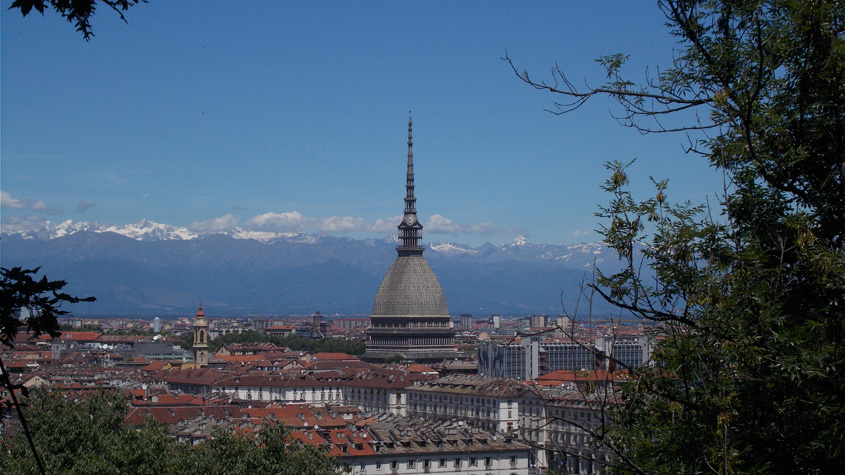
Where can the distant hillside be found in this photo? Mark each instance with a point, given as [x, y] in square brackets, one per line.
[154, 269]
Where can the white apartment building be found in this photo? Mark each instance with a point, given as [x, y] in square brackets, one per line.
[488, 403]
[408, 447]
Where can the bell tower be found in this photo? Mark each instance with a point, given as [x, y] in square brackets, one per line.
[200, 345]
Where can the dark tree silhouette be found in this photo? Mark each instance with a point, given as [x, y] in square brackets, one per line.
[78, 12]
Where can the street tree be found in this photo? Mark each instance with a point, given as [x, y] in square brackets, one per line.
[748, 296]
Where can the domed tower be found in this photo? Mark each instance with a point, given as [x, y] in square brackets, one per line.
[200, 346]
[410, 317]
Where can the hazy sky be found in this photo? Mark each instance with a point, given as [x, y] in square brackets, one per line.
[292, 116]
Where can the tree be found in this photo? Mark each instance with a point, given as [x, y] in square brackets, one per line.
[271, 452]
[78, 12]
[89, 436]
[749, 306]
[31, 303]
[294, 342]
[35, 304]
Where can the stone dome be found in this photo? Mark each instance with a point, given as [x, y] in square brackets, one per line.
[410, 289]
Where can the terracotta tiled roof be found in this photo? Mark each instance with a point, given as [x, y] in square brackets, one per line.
[240, 358]
[335, 357]
[339, 365]
[346, 443]
[121, 338]
[192, 376]
[297, 415]
[172, 415]
[21, 338]
[156, 365]
[418, 368]
[567, 376]
[80, 336]
[310, 437]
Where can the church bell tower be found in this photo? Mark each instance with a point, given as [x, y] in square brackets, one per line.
[200, 345]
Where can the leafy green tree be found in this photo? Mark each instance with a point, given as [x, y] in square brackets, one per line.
[749, 306]
[89, 436]
[88, 327]
[294, 342]
[340, 345]
[36, 305]
[186, 340]
[272, 451]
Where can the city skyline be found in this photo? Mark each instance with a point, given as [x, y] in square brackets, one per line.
[292, 118]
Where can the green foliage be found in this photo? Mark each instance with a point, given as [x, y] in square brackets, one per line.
[186, 340]
[88, 327]
[86, 437]
[751, 335]
[331, 345]
[295, 343]
[40, 298]
[271, 452]
[89, 436]
[752, 314]
[78, 12]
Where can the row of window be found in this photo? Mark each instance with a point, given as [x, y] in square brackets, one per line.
[441, 409]
[442, 463]
[459, 399]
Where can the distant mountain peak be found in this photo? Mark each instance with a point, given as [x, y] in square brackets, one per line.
[148, 230]
[519, 241]
[262, 236]
[452, 249]
[144, 230]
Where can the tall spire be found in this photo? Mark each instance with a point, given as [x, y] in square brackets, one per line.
[410, 200]
[410, 229]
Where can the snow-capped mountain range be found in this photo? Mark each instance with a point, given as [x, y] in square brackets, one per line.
[144, 230]
[153, 268]
[147, 230]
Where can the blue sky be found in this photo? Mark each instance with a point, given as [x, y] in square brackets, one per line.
[292, 116]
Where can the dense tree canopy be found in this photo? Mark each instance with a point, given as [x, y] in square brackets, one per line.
[294, 342]
[750, 304]
[89, 436]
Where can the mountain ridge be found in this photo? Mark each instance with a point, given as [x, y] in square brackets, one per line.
[151, 268]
